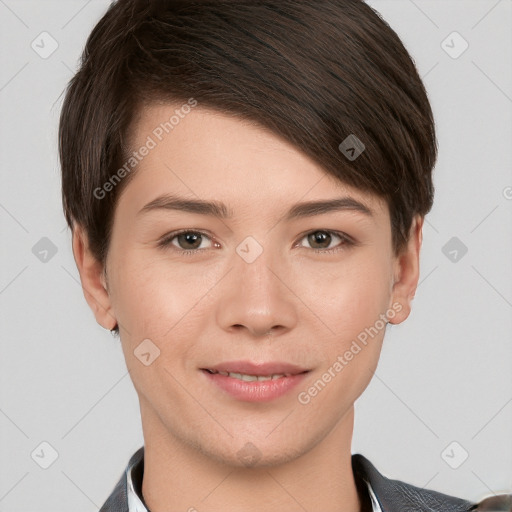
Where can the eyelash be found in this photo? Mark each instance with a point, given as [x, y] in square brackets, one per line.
[345, 241]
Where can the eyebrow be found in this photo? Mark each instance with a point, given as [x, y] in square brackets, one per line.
[221, 211]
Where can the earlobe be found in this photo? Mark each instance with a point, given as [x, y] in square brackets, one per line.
[93, 280]
[407, 272]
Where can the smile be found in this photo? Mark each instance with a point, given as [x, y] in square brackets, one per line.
[253, 388]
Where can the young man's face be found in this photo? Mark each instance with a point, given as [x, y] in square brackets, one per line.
[254, 287]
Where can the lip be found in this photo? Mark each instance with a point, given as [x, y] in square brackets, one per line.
[259, 369]
[256, 391]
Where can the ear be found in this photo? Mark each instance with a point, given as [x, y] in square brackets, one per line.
[94, 284]
[407, 271]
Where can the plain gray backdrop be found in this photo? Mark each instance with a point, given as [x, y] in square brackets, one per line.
[438, 412]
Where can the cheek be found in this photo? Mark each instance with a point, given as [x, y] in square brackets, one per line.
[352, 303]
[158, 305]
[153, 294]
[155, 298]
[350, 295]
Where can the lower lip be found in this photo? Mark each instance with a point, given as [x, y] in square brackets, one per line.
[255, 391]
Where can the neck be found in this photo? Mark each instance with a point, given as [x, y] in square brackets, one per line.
[181, 477]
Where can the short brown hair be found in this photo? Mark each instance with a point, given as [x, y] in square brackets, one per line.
[313, 72]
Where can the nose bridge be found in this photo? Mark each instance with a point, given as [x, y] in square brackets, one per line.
[255, 295]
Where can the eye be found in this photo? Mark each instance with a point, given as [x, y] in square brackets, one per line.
[321, 237]
[188, 242]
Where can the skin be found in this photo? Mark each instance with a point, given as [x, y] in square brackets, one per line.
[214, 306]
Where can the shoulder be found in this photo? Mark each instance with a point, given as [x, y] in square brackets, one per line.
[118, 499]
[498, 503]
[397, 496]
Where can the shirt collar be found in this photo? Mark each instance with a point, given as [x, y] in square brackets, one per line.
[134, 472]
[134, 496]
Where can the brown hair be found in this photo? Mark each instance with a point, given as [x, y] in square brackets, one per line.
[313, 72]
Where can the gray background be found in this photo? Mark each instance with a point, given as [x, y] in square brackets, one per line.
[445, 374]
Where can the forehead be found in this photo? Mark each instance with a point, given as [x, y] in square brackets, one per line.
[204, 153]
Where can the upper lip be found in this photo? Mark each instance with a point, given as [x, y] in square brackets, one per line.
[251, 368]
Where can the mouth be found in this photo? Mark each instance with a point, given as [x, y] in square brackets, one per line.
[255, 370]
[255, 382]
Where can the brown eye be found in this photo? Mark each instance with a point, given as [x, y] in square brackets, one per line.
[186, 242]
[320, 241]
[189, 240]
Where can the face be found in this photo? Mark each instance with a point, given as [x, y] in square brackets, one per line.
[256, 280]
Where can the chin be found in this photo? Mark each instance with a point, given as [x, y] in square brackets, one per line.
[254, 453]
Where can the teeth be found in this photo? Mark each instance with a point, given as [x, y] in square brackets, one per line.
[252, 378]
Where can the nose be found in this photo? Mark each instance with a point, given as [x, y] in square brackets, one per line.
[257, 297]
